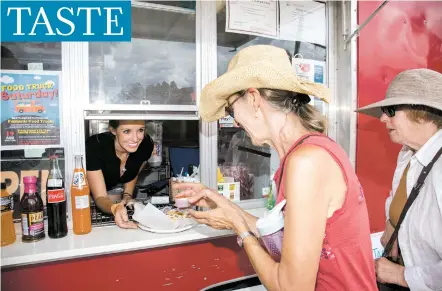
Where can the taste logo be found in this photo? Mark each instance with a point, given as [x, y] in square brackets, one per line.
[55, 21]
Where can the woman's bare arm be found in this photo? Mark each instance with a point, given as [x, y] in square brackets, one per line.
[96, 183]
[130, 186]
[308, 173]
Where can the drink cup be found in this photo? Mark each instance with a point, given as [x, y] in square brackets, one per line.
[182, 203]
[271, 230]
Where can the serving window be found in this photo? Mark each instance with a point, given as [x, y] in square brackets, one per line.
[253, 166]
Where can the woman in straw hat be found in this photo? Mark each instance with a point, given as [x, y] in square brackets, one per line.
[412, 113]
[326, 243]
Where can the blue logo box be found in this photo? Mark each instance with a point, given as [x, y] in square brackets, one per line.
[56, 21]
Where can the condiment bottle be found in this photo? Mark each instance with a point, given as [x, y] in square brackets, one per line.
[8, 230]
[32, 222]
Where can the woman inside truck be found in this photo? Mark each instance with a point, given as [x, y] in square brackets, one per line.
[412, 114]
[113, 158]
[326, 242]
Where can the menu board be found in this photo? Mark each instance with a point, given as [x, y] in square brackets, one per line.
[30, 108]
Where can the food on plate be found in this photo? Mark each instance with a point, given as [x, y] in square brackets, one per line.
[176, 214]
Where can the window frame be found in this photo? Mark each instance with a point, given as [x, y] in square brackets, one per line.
[75, 64]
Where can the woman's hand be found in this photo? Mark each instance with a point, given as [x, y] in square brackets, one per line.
[389, 229]
[389, 272]
[121, 217]
[127, 200]
[223, 214]
[194, 191]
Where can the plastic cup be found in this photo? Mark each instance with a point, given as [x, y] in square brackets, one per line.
[182, 203]
[271, 229]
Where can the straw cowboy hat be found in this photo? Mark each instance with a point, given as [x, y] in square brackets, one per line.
[417, 87]
[259, 66]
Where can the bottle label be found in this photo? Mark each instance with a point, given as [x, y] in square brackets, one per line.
[82, 202]
[24, 224]
[7, 203]
[79, 180]
[56, 196]
[32, 223]
[55, 183]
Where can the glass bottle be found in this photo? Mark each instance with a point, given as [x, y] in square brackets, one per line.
[80, 199]
[31, 210]
[8, 230]
[56, 202]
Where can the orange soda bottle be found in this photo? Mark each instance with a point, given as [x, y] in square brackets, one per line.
[80, 200]
[8, 230]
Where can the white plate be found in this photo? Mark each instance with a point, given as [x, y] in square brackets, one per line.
[163, 230]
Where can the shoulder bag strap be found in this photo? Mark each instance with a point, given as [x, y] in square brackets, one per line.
[414, 192]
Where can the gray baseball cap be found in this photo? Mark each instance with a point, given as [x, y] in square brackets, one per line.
[416, 86]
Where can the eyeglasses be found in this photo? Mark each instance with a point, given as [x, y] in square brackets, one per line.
[390, 111]
[229, 108]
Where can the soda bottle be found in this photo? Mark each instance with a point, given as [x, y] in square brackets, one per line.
[32, 224]
[8, 230]
[56, 202]
[81, 211]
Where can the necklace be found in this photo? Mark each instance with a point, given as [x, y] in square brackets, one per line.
[123, 165]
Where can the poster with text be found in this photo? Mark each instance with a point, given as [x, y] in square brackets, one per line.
[255, 17]
[314, 71]
[30, 108]
[310, 70]
[303, 21]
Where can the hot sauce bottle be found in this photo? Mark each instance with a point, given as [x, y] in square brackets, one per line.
[32, 222]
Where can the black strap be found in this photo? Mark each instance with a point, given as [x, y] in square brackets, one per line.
[414, 192]
[297, 144]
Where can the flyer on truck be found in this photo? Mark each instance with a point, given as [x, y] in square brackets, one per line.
[258, 18]
[30, 108]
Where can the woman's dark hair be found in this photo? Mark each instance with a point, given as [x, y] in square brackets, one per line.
[114, 124]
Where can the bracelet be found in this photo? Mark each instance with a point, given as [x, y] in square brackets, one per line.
[127, 194]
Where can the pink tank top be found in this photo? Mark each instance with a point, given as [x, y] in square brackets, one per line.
[346, 258]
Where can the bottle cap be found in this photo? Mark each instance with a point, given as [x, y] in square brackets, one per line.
[30, 179]
[273, 222]
[3, 185]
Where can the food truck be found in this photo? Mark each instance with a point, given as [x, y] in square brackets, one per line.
[353, 47]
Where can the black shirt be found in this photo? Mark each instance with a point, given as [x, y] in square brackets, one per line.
[101, 155]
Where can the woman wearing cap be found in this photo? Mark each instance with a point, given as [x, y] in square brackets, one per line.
[326, 244]
[114, 158]
[412, 113]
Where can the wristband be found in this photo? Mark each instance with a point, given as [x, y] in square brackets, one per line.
[114, 208]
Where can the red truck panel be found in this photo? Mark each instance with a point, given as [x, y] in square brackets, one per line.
[403, 35]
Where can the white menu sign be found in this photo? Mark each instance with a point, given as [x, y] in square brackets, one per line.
[303, 21]
[255, 17]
